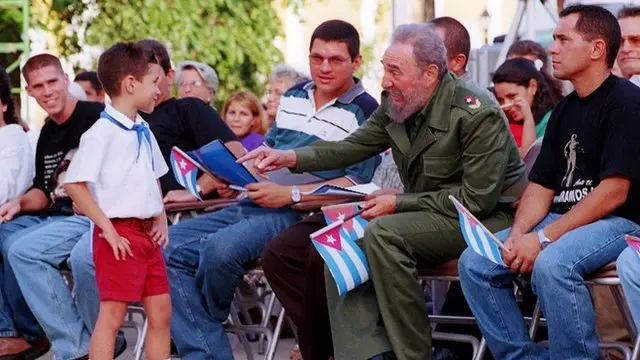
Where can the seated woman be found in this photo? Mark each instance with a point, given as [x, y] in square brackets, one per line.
[282, 78]
[527, 96]
[17, 166]
[246, 117]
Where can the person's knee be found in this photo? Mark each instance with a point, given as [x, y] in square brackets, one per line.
[628, 265]
[471, 265]
[217, 256]
[80, 259]
[16, 251]
[112, 314]
[547, 268]
[159, 312]
[378, 234]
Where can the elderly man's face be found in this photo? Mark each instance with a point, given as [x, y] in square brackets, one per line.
[629, 55]
[191, 84]
[409, 87]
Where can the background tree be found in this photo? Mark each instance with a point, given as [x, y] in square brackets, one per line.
[234, 37]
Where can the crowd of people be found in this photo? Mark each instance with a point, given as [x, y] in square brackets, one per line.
[90, 195]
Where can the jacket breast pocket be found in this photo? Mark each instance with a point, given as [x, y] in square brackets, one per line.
[442, 168]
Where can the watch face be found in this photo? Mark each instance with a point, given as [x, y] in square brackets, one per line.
[295, 195]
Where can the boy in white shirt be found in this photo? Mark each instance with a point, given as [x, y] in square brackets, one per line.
[113, 180]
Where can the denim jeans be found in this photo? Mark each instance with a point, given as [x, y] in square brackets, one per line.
[36, 259]
[205, 263]
[629, 273]
[557, 279]
[16, 318]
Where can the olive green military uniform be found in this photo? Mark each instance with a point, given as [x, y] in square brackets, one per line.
[459, 145]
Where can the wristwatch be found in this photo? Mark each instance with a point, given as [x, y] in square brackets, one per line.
[295, 194]
[544, 241]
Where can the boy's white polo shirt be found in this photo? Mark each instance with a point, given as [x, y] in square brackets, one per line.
[123, 183]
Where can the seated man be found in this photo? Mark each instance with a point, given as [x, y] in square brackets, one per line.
[89, 82]
[583, 198]
[45, 208]
[206, 255]
[446, 139]
[291, 263]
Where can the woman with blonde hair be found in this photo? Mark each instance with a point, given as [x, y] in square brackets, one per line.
[246, 117]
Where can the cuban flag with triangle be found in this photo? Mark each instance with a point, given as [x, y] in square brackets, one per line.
[476, 235]
[336, 243]
[185, 171]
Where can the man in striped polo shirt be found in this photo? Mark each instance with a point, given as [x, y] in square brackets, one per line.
[206, 255]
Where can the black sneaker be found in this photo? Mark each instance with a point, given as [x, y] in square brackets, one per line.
[121, 346]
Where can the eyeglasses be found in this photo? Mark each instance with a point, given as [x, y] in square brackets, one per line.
[333, 60]
[196, 83]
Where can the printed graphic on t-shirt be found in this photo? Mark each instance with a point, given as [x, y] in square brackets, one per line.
[56, 177]
[574, 185]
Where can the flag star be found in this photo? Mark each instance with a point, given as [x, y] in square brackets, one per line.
[183, 164]
[341, 216]
[330, 239]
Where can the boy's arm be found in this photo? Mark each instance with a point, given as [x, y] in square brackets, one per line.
[159, 231]
[83, 200]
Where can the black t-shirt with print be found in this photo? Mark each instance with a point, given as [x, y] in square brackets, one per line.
[187, 123]
[591, 138]
[56, 146]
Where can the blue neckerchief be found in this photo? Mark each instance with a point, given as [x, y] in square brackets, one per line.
[141, 130]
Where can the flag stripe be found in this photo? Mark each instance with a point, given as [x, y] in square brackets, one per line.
[358, 226]
[349, 263]
[482, 239]
[337, 270]
[493, 248]
[466, 232]
[359, 260]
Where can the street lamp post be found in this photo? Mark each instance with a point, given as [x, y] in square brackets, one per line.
[485, 22]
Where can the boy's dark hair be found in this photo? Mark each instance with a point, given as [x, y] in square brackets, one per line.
[121, 60]
[5, 97]
[456, 39]
[597, 22]
[38, 62]
[341, 31]
[520, 71]
[529, 47]
[92, 77]
[629, 11]
[159, 51]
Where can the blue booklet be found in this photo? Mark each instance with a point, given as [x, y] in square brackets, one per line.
[216, 158]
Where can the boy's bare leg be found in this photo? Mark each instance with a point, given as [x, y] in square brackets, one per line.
[109, 321]
[158, 342]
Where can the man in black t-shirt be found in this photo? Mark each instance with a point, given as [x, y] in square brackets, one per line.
[582, 200]
[36, 223]
[187, 123]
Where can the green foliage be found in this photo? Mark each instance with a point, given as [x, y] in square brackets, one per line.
[234, 37]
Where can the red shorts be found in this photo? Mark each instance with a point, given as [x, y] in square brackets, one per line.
[133, 278]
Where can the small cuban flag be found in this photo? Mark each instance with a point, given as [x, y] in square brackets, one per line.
[477, 236]
[336, 243]
[185, 171]
[634, 242]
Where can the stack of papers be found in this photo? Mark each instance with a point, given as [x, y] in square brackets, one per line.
[351, 192]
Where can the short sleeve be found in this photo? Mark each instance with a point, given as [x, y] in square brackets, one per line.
[160, 166]
[621, 146]
[86, 163]
[206, 124]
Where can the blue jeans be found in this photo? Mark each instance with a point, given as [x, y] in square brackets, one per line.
[16, 318]
[629, 273]
[557, 279]
[36, 260]
[205, 263]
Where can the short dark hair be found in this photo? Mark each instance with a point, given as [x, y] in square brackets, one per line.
[5, 97]
[121, 60]
[597, 22]
[456, 37]
[629, 11]
[159, 51]
[529, 47]
[341, 31]
[38, 62]
[92, 77]
[520, 71]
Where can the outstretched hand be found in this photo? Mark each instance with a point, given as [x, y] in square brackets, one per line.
[266, 159]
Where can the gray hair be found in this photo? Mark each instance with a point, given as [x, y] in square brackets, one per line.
[285, 71]
[428, 48]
